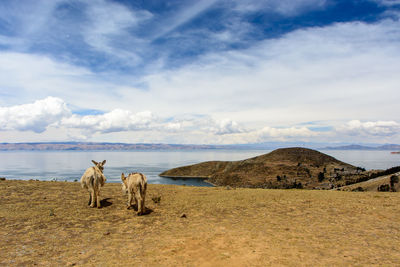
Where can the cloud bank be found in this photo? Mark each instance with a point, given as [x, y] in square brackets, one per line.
[374, 128]
[34, 117]
[52, 114]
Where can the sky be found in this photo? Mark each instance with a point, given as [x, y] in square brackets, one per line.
[200, 72]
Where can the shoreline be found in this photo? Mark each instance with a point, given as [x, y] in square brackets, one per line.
[115, 181]
[184, 178]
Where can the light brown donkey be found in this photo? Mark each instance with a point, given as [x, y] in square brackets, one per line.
[135, 185]
[92, 180]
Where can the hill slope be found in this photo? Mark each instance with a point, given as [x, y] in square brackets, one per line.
[282, 168]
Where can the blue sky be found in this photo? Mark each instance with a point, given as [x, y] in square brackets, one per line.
[201, 72]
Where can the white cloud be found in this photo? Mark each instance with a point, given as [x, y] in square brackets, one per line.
[182, 16]
[226, 126]
[76, 31]
[283, 7]
[108, 30]
[27, 77]
[35, 117]
[307, 75]
[204, 124]
[370, 128]
[117, 120]
[51, 116]
[173, 126]
[290, 132]
[27, 21]
[265, 134]
[388, 2]
[53, 112]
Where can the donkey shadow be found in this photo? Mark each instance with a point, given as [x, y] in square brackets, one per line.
[147, 211]
[105, 202]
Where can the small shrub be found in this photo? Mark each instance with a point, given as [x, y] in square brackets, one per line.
[394, 179]
[321, 176]
[360, 169]
[278, 178]
[156, 199]
[358, 189]
[384, 188]
[298, 185]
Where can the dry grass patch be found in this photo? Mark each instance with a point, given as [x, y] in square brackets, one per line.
[49, 223]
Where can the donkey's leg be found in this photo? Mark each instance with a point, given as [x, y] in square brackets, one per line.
[143, 201]
[139, 201]
[93, 197]
[129, 204]
[90, 198]
[98, 198]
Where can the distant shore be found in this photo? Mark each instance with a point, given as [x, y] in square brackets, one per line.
[93, 146]
[106, 146]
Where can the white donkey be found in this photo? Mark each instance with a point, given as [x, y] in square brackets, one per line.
[135, 185]
[92, 180]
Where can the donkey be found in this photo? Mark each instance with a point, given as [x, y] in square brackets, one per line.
[92, 180]
[135, 185]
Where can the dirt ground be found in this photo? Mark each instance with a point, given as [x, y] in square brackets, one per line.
[50, 224]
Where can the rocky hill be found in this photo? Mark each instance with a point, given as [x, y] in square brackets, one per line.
[282, 168]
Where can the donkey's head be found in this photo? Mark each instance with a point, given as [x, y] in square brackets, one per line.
[99, 164]
[124, 183]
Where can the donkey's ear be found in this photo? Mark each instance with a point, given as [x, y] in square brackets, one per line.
[95, 163]
[123, 177]
[104, 162]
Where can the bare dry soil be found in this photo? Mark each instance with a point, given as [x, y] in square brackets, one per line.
[50, 224]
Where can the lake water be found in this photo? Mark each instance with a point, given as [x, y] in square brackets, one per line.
[70, 165]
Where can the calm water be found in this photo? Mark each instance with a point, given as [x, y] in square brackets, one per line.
[70, 165]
